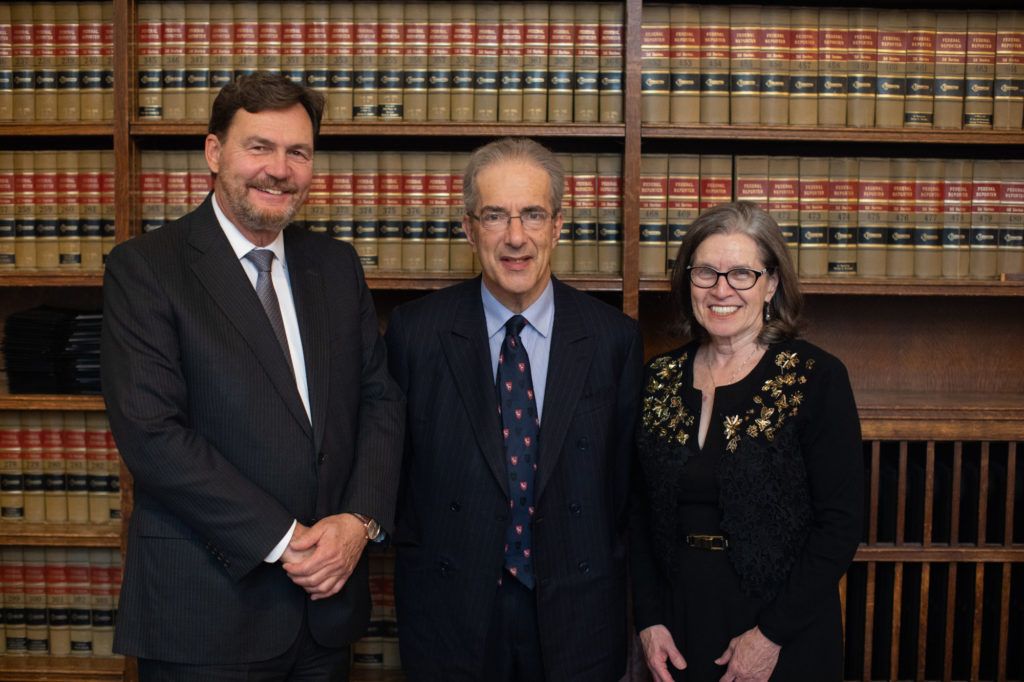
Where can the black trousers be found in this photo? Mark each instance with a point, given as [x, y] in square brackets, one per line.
[513, 651]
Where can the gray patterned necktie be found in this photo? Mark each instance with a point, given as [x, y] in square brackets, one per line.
[263, 259]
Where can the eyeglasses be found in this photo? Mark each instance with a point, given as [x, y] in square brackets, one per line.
[739, 279]
[533, 219]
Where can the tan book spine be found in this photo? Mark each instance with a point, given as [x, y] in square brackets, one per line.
[803, 82]
[752, 180]
[892, 68]
[318, 28]
[69, 227]
[77, 477]
[32, 466]
[200, 182]
[486, 62]
[6, 76]
[197, 61]
[113, 477]
[716, 185]
[899, 254]
[13, 586]
[24, 210]
[950, 60]
[463, 61]
[176, 184]
[862, 64]
[269, 50]
[36, 631]
[609, 214]
[439, 61]
[415, 92]
[7, 210]
[90, 202]
[784, 201]
[100, 583]
[985, 210]
[45, 188]
[684, 64]
[561, 258]
[956, 217]
[653, 214]
[510, 62]
[222, 46]
[58, 601]
[88, 433]
[12, 482]
[586, 63]
[318, 202]
[67, 60]
[833, 53]
[246, 37]
[79, 606]
[342, 190]
[928, 219]
[561, 50]
[584, 212]
[108, 195]
[107, 52]
[414, 204]
[776, 56]
[365, 64]
[55, 491]
[683, 203]
[1008, 94]
[365, 188]
[389, 210]
[153, 189]
[390, 61]
[173, 60]
[23, 99]
[979, 71]
[341, 36]
[44, 59]
[91, 60]
[149, 32]
[655, 52]
[813, 261]
[535, 63]
[745, 64]
[460, 253]
[611, 64]
[714, 64]
[919, 109]
[437, 227]
[1011, 233]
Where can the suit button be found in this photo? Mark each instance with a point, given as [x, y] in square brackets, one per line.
[575, 508]
[455, 506]
[584, 567]
[583, 443]
[320, 458]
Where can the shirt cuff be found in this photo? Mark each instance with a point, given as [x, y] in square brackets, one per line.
[279, 548]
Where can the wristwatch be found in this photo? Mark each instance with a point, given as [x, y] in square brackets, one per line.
[371, 526]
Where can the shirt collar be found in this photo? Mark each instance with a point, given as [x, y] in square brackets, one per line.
[239, 244]
[540, 314]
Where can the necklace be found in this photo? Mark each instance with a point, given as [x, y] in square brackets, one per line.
[736, 372]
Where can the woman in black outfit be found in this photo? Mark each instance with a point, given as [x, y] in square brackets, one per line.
[748, 500]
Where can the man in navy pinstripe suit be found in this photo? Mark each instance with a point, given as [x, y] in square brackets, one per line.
[506, 572]
[248, 392]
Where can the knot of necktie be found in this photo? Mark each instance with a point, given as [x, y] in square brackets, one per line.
[261, 258]
[515, 325]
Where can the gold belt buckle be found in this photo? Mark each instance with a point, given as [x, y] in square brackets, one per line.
[714, 543]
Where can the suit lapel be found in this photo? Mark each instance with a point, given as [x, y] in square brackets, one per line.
[311, 310]
[468, 354]
[219, 271]
[572, 350]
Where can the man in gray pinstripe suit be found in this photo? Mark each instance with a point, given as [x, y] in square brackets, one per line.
[506, 572]
[248, 393]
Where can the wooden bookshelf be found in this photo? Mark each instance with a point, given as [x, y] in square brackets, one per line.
[62, 534]
[61, 669]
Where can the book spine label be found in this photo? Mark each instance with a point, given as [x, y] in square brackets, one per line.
[414, 225]
[714, 72]
[610, 64]
[510, 64]
[919, 109]
[340, 51]
[653, 223]
[485, 83]
[561, 51]
[609, 214]
[979, 72]
[684, 66]
[463, 58]
[683, 208]
[415, 85]
[655, 83]
[439, 66]
[586, 64]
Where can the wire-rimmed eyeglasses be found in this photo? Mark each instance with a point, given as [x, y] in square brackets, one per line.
[532, 219]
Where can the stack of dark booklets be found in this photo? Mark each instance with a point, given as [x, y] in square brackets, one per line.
[50, 350]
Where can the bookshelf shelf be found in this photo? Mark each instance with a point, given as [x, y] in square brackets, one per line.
[875, 286]
[69, 669]
[916, 415]
[405, 129]
[750, 133]
[57, 129]
[397, 281]
[37, 401]
[50, 278]
[63, 534]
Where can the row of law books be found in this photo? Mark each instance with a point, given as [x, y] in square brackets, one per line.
[58, 601]
[832, 66]
[869, 217]
[378, 649]
[390, 60]
[58, 467]
[403, 211]
[56, 61]
[56, 209]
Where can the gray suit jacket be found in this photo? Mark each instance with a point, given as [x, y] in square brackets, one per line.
[208, 419]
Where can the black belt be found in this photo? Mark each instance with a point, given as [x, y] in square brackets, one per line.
[714, 543]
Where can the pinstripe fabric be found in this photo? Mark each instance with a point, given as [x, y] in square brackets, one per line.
[207, 417]
[453, 509]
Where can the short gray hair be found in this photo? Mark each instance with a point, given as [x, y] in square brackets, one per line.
[512, 149]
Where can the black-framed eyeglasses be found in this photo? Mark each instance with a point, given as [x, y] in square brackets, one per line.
[532, 219]
[739, 279]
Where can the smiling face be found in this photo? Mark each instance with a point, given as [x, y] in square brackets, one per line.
[264, 168]
[728, 315]
[516, 263]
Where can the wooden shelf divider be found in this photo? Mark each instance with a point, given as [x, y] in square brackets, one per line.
[61, 534]
[61, 668]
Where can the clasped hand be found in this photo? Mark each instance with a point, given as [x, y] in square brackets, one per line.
[321, 558]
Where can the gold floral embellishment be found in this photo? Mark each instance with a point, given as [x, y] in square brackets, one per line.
[664, 414]
[776, 403]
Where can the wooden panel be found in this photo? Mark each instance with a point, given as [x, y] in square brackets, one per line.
[67, 534]
[71, 669]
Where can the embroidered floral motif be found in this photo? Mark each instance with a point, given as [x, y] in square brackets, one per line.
[777, 402]
[664, 414]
